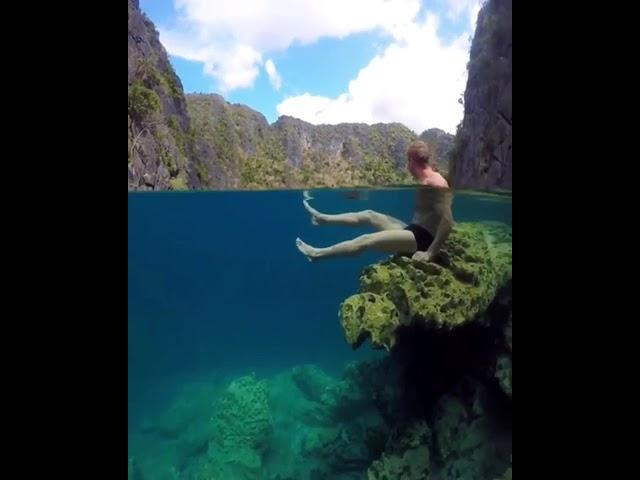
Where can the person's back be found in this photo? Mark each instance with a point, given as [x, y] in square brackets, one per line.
[432, 210]
[434, 179]
[433, 206]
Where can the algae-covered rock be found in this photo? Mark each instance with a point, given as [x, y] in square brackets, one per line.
[473, 265]
[452, 415]
[243, 417]
[343, 402]
[468, 446]
[321, 442]
[311, 381]
[507, 334]
[379, 382]
[407, 457]
[331, 401]
[326, 427]
[368, 314]
[190, 408]
[503, 373]
[339, 448]
[412, 464]
[243, 425]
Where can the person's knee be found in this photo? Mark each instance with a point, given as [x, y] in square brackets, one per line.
[368, 215]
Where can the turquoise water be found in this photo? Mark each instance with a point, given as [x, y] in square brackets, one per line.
[218, 291]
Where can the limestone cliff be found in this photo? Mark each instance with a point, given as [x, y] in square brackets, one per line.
[481, 158]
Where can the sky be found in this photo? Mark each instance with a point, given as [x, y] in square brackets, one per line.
[325, 61]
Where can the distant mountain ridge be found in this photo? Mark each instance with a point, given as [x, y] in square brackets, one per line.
[201, 141]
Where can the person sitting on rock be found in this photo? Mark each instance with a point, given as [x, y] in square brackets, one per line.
[423, 238]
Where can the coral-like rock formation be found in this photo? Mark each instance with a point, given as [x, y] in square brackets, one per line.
[243, 417]
[312, 381]
[448, 326]
[243, 425]
[407, 457]
[473, 265]
[503, 373]
[469, 443]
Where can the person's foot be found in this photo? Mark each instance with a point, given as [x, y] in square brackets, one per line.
[310, 252]
[316, 217]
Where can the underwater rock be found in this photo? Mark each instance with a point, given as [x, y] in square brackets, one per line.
[377, 380]
[368, 392]
[311, 381]
[503, 373]
[368, 314]
[340, 449]
[243, 425]
[366, 387]
[321, 442]
[188, 411]
[335, 425]
[507, 334]
[407, 458]
[451, 416]
[507, 475]
[461, 282]
[174, 422]
[343, 403]
[468, 445]
[331, 401]
[194, 442]
[243, 417]
[184, 427]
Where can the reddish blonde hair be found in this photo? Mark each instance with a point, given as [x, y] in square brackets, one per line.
[420, 152]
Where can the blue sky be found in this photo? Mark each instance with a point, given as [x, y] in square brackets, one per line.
[324, 61]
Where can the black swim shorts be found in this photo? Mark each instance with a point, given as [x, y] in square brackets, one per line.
[422, 235]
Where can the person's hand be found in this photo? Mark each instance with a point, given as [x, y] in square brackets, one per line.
[421, 256]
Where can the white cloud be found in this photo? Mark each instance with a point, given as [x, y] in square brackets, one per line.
[233, 65]
[274, 76]
[231, 37]
[457, 8]
[416, 80]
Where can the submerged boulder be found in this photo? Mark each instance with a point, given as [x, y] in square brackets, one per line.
[448, 326]
[469, 443]
[311, 380]
[503, 373]
[243, 426]
[472, 267]
[406, 458]
[243, 417]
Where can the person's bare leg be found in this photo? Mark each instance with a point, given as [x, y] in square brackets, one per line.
[388, 241]
[377, 220]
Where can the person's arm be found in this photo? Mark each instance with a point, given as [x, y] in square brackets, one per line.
[444, 229]
[442, 233]
[441, 203]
